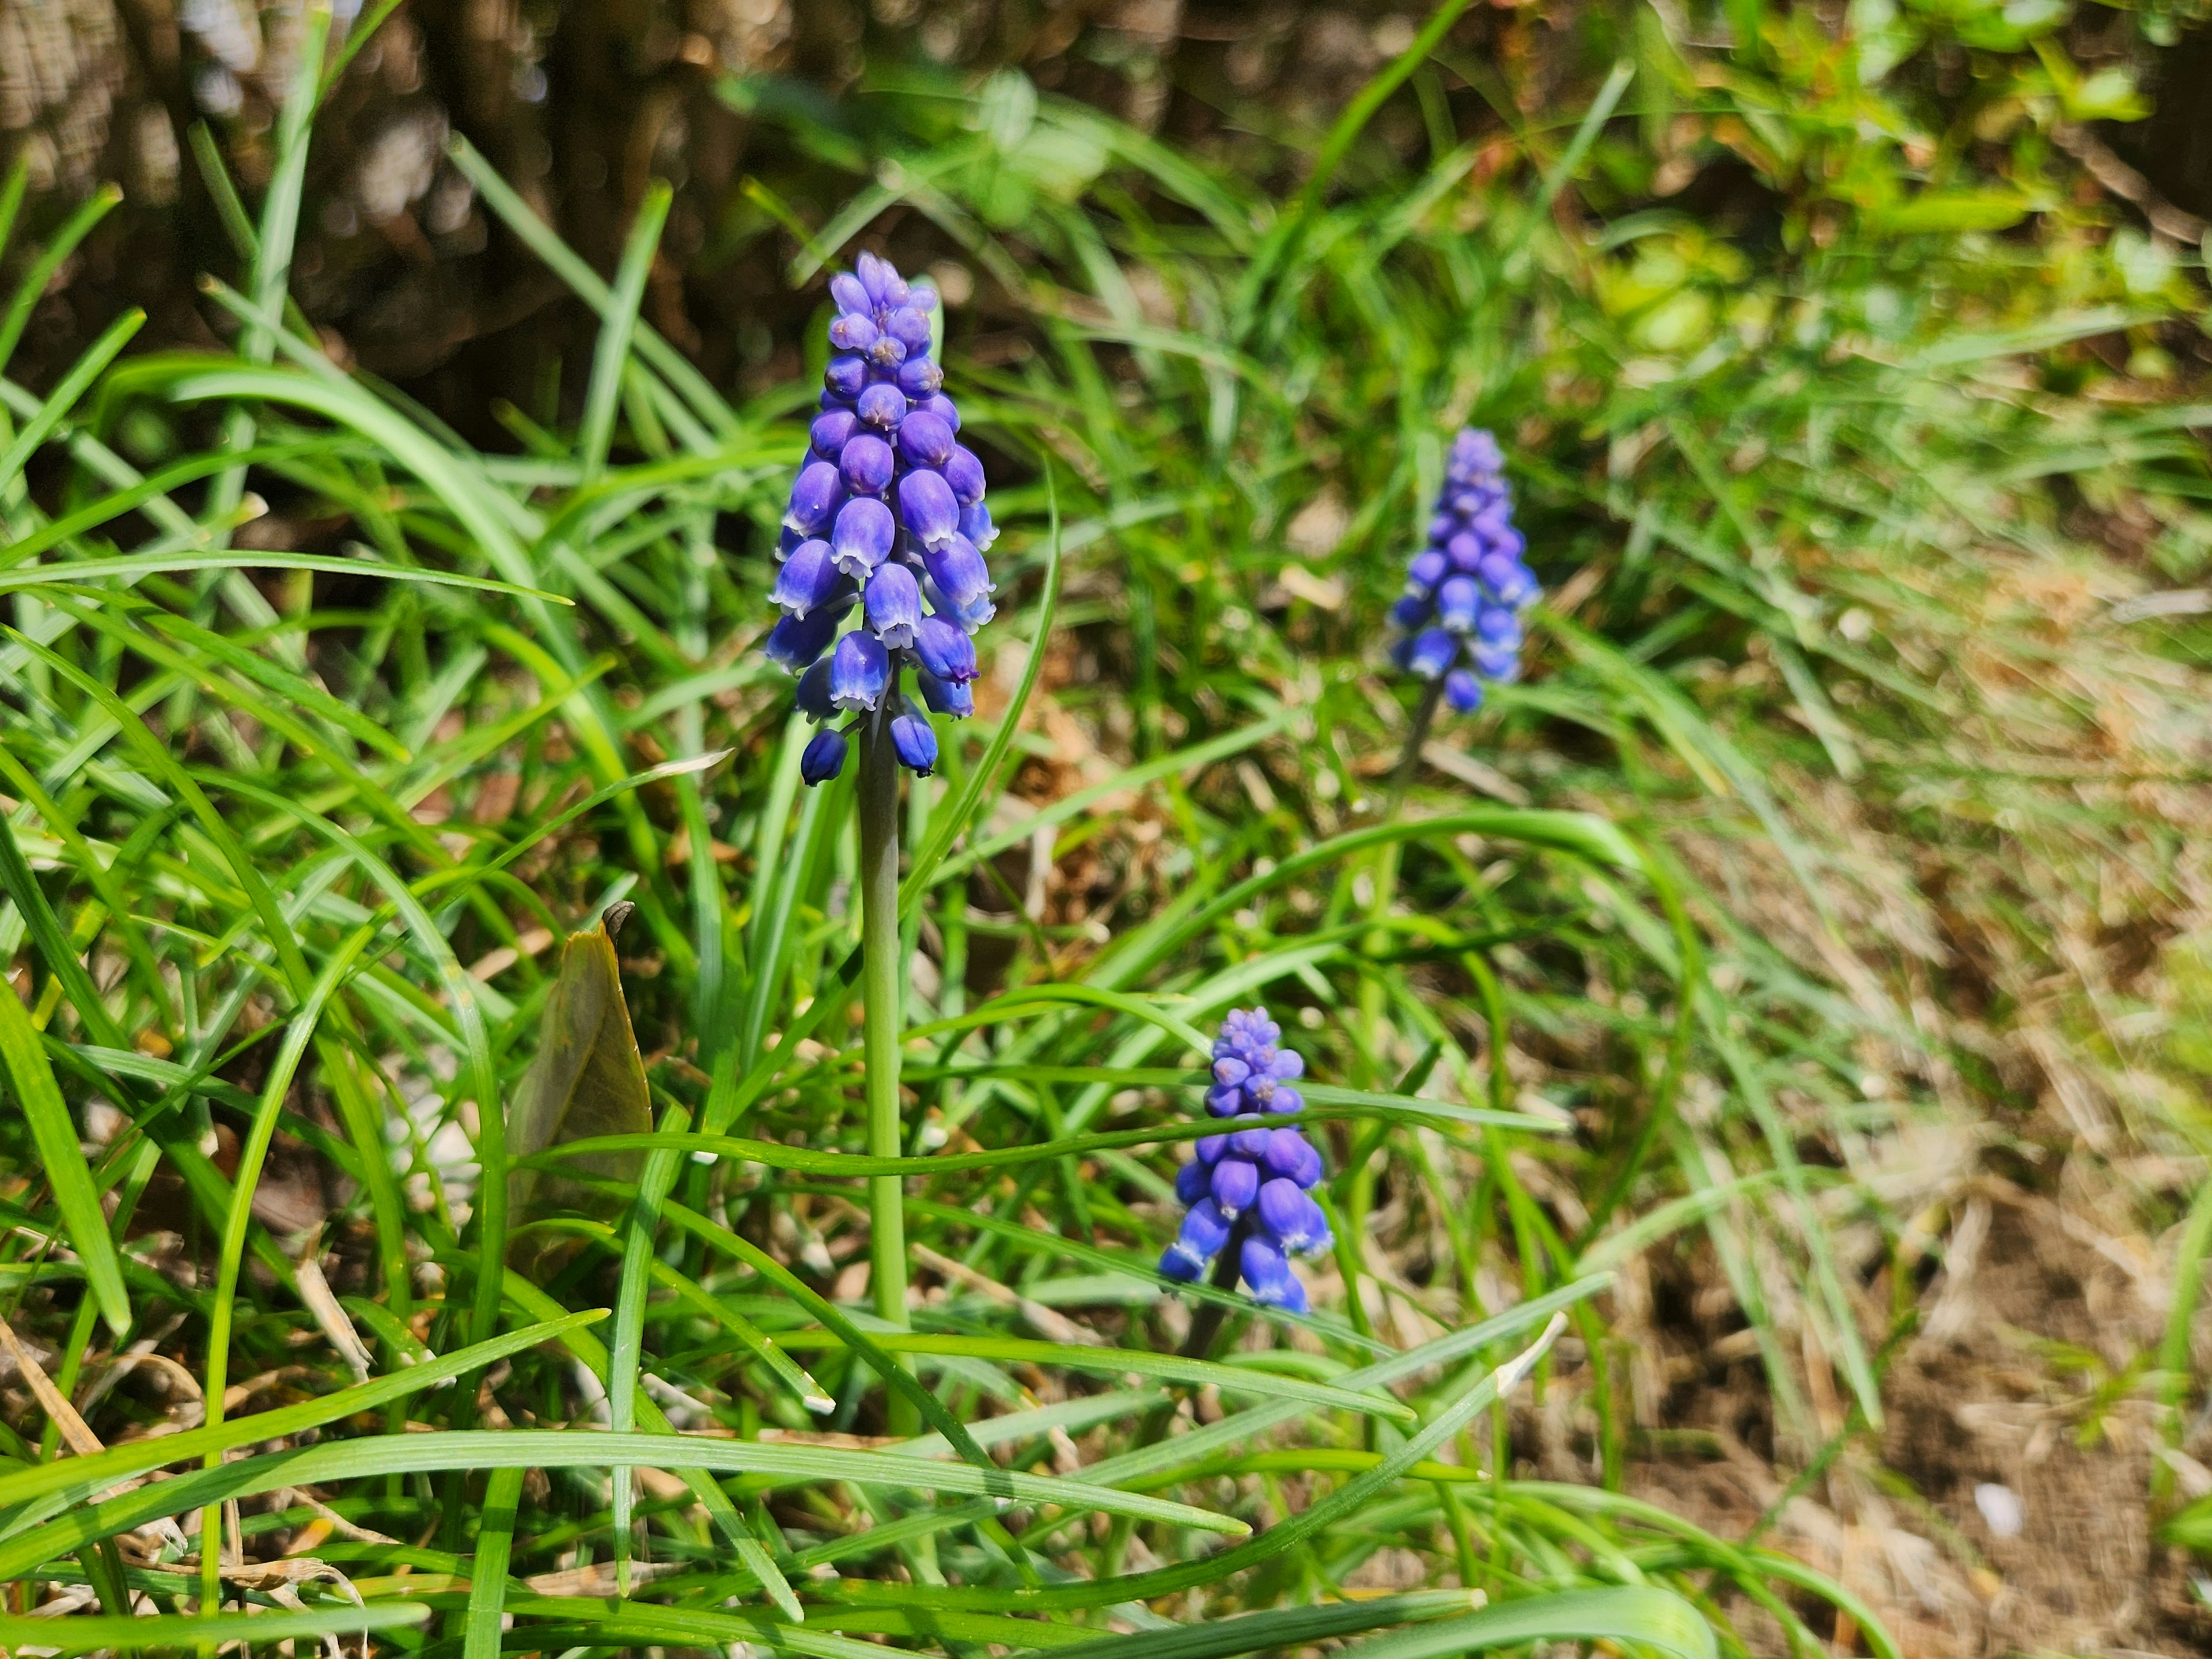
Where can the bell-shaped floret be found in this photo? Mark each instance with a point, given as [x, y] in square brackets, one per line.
[846, 375]
[965, 474]
[1462, 691]
[915, 741]
[893, 602]
[859, 670]
[795, 641]
[824, 756]
[1431, 652]
[927, 509]
[945, 650]
[953, 698]
[1459, 602]
[1204, 1230]
[810, 577]
[854, 332]
[863, 536]
[815, 494]
[975, 524]
[1288, 1211]
[1268, 1277]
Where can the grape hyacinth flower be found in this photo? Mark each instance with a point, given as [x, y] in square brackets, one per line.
[1466, 590]
[1249, 1189]
[887, 527]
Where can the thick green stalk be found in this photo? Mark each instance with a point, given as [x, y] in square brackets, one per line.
[883, 972]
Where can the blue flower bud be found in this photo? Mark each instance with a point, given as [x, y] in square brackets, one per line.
[1501, 663]
[1210, 1148]
[850, 293]
[909, 328]
[1429, 566]
[915, 740]
[1462, 691]
[807, 579]
[945, 651]
[953, 698]
[814, 497]
[938, 404]
[795, 641]
[925, 439]
[1192, 1182]
[927, 509]
[824, 756]
[847, 375]
[859, 669]
[866, 463]
[1236, 1183]
[1412, 610]
[893, 603]
[887, 352]
[918, 377]
[883, 406]
[863, 536]
[1499, 626]
[852, 331]
[881, 279]
[830, 430]
[813, 697]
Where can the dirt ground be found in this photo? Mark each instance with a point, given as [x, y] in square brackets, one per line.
[1998, 1418]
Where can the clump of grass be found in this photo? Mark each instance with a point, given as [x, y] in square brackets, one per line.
[296, 835]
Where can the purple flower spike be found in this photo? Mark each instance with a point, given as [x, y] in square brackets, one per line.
[887, 508]
[1470, 579]
[1251, 1183]
[859, 669]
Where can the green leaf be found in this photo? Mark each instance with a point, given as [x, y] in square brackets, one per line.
[61, 1161]
[85, 1635]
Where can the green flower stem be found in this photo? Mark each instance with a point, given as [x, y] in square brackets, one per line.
[882, 969]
